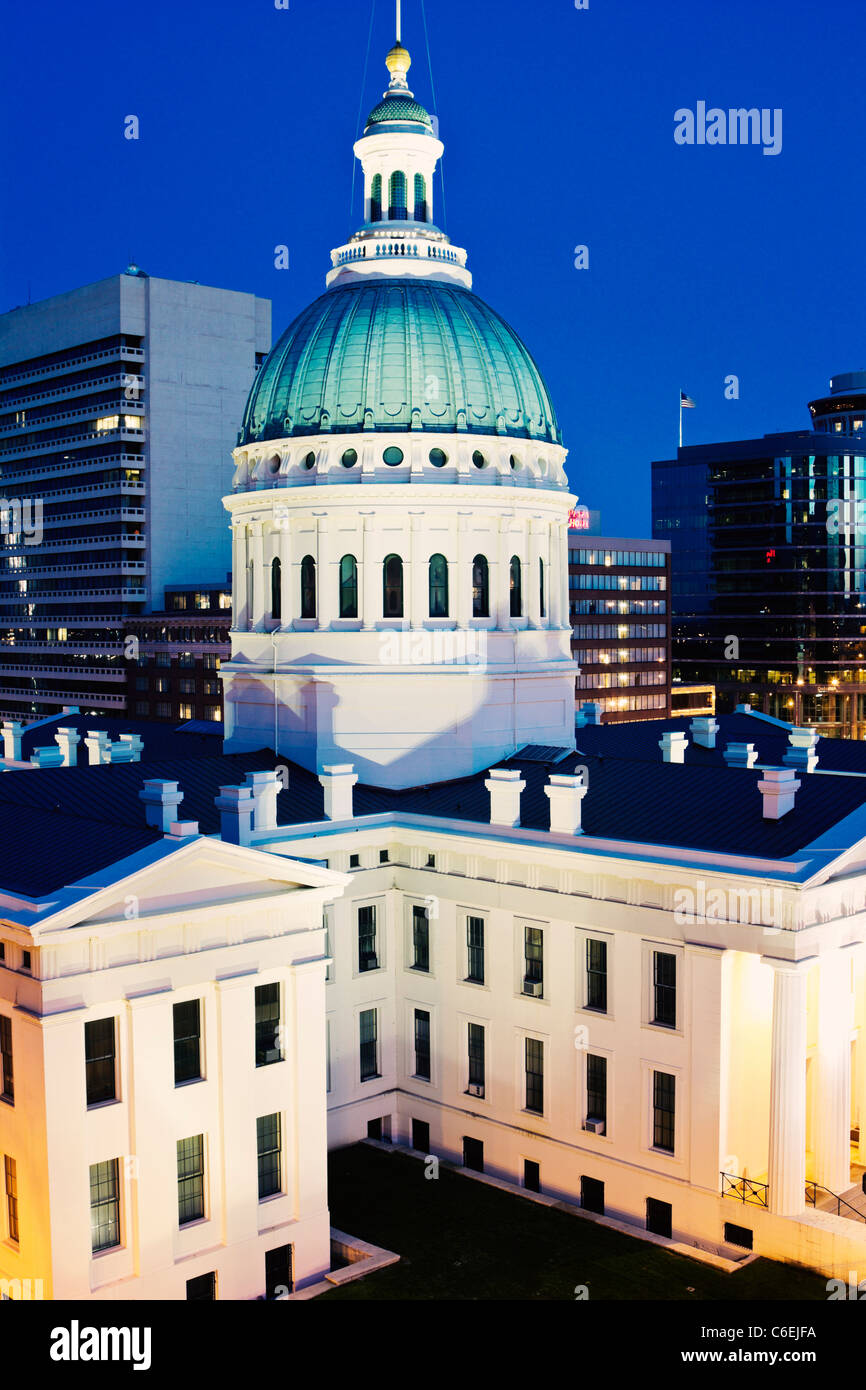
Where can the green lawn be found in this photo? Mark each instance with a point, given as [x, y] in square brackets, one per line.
[459, 1239]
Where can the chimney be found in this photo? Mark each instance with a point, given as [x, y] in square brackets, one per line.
[119, 753]
[98, 747]
[565, 793]
[740, 755]
[161, 800]
[338, 781]
[801, 755]
[778, 788]
[703, 730]
[12, 732]
[68, 740]
[673, 745]
[135, 744]
[49, 756]
[235, 805]
[183, 829]
[589, 713]
[265, 787]
[504, 786]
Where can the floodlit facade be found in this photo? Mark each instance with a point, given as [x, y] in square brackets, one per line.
[629, 972]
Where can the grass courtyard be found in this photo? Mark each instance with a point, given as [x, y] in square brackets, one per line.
[459, 1239]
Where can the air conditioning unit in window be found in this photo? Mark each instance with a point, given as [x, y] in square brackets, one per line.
[593, 1126]
[475, 1089]
[533, 987]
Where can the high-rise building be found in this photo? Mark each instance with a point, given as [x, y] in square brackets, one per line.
[769, 565]
[620, 615]
[118, 404]
[173, 668]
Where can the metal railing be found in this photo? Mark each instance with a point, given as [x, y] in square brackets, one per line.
[745, 1190]
[812, 1190]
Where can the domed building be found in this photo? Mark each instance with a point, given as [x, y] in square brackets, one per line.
[400, 506]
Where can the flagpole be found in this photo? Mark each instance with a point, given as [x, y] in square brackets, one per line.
[681, 418]
[399, 35]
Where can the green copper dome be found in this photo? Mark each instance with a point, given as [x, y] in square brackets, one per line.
[397, 355]
[399, 108]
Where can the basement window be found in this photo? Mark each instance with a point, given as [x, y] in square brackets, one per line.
[738, 1235]
[383, 856]
[354, 861]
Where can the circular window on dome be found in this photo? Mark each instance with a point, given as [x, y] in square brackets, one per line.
[349, 459]
[393, 456]
[478, 459]
[274, 464]
[308, 461]
[515, 463]
[438, 458]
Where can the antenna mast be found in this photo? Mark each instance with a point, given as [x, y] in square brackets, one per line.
[399, 35]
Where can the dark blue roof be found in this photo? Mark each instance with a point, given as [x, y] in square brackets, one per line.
[58, 825]
[160, 740]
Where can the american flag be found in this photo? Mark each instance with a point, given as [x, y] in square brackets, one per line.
[686, 402]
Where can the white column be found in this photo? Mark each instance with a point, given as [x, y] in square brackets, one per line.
[501, 593]
[284, 550]
[371, 576]
[832, 1139]
[460, 584]
[554, 588]
[787, 1164]
[325, 569]
[240, 613]
[533, 597]
[415, 597]
[256, 549]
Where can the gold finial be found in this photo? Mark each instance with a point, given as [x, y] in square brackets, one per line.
[398, 62]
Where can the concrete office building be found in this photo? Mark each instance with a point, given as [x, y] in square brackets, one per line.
[118, 404]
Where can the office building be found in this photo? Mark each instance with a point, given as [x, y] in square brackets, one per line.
[118, 404]
[619, 599]
[173, 667]
[769, 566]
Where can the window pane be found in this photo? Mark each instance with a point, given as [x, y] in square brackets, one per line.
[269, 1155]
[422, 1044]
[268, 1039]
[369, 1045]
[190, 1179]
[420, 938]
[104, 1205]
[475, 949]
[99, 1053]
[187, 1041]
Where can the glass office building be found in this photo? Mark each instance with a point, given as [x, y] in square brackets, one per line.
[768, 542]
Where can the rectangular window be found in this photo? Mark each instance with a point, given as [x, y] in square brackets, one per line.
[367, 958]
[7, 1075]
[25, 960]
[475, 1040]
[268, 1030]
[11, 1177]
[596, 975]
[664, 989]
[531, 1171]
[475, 950]
[664, 1102]
[422, 1044]
[533, 956]
[420, 939]
[100, 1058]
[534, 1075]
[187, 1041]
[104, 1205]
[190, 1179]
[383, 856]
[596, 1087]
[279, 1279]
[421, 1136]
[201, 1289]
[369, 1045]
[269, 1148]
[354, 861]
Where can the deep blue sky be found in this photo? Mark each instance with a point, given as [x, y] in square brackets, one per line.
[558, 126]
